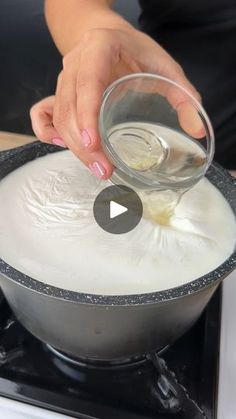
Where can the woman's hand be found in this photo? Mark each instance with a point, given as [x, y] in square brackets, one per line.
[70, 118]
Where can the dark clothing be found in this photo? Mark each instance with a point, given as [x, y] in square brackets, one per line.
[201, 36]
[29, 62]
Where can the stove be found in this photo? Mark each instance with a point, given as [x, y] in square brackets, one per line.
[180, 382]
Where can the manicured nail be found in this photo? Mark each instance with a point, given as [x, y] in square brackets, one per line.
[59, 142]
[86, 138]
[97, 169]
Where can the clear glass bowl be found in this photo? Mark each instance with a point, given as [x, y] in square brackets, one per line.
[156, 134]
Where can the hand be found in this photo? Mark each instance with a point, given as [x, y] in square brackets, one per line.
[70, 118]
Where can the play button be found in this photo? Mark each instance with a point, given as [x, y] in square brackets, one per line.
[117, 209]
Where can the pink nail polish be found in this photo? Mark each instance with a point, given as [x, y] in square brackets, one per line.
[97, 169]
[86, 138]
[59, 142]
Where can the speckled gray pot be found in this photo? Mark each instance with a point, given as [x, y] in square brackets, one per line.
[108, 327]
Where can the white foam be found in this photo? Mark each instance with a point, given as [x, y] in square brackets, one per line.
[47, 231]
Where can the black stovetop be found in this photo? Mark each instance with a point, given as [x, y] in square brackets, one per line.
[180, 383]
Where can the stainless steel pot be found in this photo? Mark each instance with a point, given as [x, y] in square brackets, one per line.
[105, 328]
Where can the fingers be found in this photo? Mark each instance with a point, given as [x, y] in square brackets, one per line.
[41, 118]
[71, 117]
[188, 116]
[64, 112]
[96, 64]
[78, 100]
[159, 61]
[190, 120]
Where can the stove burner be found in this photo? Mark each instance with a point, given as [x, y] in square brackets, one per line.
[89, 363]
[148, 377]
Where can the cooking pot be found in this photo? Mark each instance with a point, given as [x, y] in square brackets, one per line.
[100, 327]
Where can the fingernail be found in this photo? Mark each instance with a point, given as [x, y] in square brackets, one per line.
[86, 138]
[59, 142]
[97, 169]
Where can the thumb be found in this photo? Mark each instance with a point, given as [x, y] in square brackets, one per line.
[183, 97]
[186, 108]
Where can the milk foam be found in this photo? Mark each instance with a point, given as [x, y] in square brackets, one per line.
[47, 231]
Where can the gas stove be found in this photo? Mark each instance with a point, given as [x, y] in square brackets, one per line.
[180, 382]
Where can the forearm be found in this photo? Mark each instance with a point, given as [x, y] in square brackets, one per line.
[68, 20]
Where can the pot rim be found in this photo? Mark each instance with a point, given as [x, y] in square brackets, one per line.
[183, 290]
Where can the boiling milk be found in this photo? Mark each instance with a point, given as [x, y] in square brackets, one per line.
[47, 231]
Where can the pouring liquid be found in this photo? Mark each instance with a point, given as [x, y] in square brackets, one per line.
[158, 153]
